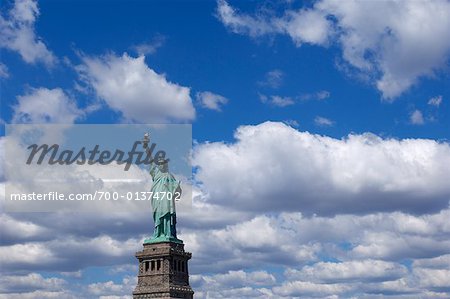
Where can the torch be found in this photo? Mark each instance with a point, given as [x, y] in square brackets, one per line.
[145, 142]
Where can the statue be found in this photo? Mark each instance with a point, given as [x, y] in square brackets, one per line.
[165, 190]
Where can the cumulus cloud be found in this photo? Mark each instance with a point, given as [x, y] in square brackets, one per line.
[33, 240]
[237, 243]
[30, 282]
[273, 79]
[288, 240]
[237, 293]
[150, 47]
[306, 288]
[349, 271]
[304, 26]
[394, 42]
[239, 23]
[291, 122]
[72, 179]
[110, 289]
[239, 279]
[319, 96]
[235, 284]
[436, 279]
[42, 105]
[3, 71]
[416, 117]
[435, 101]
[18, 33]
[40, 295]
[281, 101]
[375, 240]
[440, 262]
[129, 86]
[66, 254]
[277, 101]
[211, 100]
[323, 121]
[421, 238]
[13, 230]
[272, 166]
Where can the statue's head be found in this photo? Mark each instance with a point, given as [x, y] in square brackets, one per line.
[162, 162]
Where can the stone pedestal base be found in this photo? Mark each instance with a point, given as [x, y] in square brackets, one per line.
[163, 272]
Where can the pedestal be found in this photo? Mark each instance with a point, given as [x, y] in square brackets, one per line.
[163, 272]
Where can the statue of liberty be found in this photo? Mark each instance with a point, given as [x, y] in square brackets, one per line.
[165, 190]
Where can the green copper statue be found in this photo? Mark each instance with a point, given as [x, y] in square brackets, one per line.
[165, 190]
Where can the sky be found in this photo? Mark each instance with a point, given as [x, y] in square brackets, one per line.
[321, 155]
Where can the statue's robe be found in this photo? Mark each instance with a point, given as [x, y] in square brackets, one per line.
[164, 214]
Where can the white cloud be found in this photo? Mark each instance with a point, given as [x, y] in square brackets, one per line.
[323, 121]
[273, 79]
[280, 241]
[39, 295]
[233, 284]
[416, 117]
[109, 288]
[18, 34]
[306, 26]
[435, 101]
[258, 232]
[433, 273]
[389, 245]
[433, 278]
[236, 293]
[29, 255]
[442, 261]
[349, 271]
[204, 213]
[67, 254]
[3, 71]
[319, 96]
[277, 101]
[306, 288]
[281, 101]
[75, 274]
[251, 235]
[285, 235]
[400, 288]
[14, 230]
[238, 279]
[211, 100]
[245, 244]
[129, 86]
[253, 26]
[31, 281]
[292, 123]
[306, 239]
[72, 179]
[42, 105]
[311, 173]
[150, 47]
[394, 42]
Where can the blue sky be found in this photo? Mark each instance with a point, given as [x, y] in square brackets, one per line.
[322, 126]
